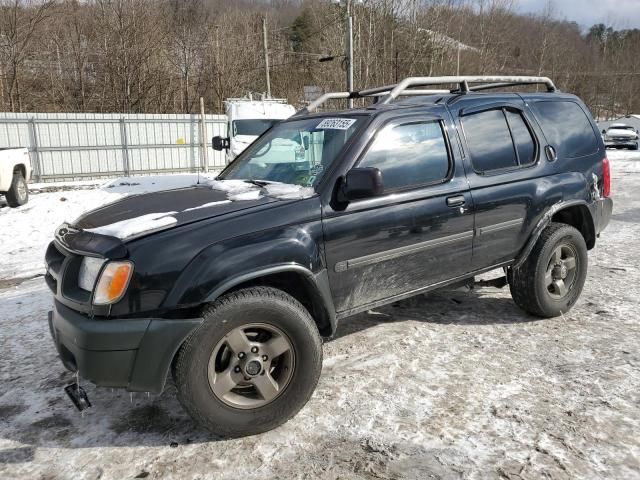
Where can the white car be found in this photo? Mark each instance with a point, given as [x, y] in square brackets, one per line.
[619, 135]
[15, 172]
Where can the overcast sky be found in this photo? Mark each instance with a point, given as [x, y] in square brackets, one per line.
[617, 13]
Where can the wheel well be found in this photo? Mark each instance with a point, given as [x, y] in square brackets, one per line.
[299, 287]
[578, 216]
[20, 169]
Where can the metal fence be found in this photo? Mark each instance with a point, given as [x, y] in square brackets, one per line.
[87, 146]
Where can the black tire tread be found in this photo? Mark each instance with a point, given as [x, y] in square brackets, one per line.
[182, 363]
[12, 195]
[520, 279]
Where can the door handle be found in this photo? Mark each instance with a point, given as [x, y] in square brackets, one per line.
[456, 201]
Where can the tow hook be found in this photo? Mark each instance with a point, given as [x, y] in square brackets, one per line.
[78, 396]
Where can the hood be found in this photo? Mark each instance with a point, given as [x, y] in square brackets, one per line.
[138, 215]
[621, 132]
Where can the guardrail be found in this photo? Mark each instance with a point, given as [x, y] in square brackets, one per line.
[85, 146]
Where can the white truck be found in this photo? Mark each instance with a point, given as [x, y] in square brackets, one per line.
[620, 135]
[15, 172]
[247, 120]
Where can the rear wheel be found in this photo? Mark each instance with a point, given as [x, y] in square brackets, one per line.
[551, 279]
[18, 193]
[251, 365]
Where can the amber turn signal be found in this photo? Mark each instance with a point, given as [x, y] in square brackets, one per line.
[113, 283]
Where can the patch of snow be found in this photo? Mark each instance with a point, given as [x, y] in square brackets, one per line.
[232, 186]
[206, 205]
[624, 155]
[241, 190]
[136, 226]
[287, 191]
[248, 195]
[155, 183]
[26, 231]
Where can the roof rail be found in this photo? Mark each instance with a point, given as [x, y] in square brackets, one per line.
[391, 92]
[372, 92]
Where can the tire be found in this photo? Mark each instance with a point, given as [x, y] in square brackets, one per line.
[530, 283]
[208, 357]
[18, 193]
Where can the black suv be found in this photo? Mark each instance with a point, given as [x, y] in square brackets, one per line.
[230, 284]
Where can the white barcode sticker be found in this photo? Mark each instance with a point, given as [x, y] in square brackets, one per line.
[336, 123]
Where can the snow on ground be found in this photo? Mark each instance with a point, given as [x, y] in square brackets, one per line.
[25, 231]
[455, 384]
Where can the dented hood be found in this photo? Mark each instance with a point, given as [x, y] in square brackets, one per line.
[185, 205]
[104, 230]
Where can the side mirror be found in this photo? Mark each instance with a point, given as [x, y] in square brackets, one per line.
[362, 183]
[604, 131]
[220, 143]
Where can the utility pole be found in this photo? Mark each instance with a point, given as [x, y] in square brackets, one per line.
[218, 72]
[266, 55]
[349, 51]
[204, 144]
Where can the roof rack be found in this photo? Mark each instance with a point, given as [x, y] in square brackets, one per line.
[391, 92]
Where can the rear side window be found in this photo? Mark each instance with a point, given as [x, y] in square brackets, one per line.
[489, 141]
[567, 128]
[409, 155]
[498, 139]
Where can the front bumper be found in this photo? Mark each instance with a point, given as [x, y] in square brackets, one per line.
[125, 353]
[621, 143]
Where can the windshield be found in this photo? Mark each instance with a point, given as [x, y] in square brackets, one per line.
[254, 127]
[296, 152]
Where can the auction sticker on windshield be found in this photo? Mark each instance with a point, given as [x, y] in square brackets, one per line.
[336, 123]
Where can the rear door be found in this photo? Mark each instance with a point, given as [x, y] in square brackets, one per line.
[502, 161]
[418, 233]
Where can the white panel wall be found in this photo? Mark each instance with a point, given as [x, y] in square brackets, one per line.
[68, 146]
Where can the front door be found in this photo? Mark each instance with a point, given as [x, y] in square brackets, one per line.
[418, 233]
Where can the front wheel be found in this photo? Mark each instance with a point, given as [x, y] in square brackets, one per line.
[551, 279]
[252, 365]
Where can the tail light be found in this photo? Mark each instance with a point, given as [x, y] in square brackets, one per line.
[606, 178]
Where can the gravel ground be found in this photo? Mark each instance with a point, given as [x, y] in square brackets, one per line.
[454, 384]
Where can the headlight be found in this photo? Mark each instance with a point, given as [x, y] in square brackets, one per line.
[113, 282]
[89, 270]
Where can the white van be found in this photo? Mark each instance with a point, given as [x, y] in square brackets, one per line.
[247, 120]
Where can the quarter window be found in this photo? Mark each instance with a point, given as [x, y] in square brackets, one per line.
[498, 139]
[409, 155]
[525, 146]
[567, 128]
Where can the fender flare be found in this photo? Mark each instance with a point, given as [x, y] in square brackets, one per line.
[541, 225]
[318, 283]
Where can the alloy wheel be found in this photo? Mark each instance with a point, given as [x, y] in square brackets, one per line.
[561, 271]
[251, 366]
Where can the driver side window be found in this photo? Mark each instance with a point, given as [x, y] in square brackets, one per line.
[409, 155]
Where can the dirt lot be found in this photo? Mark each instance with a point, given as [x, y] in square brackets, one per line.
[456, 384]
